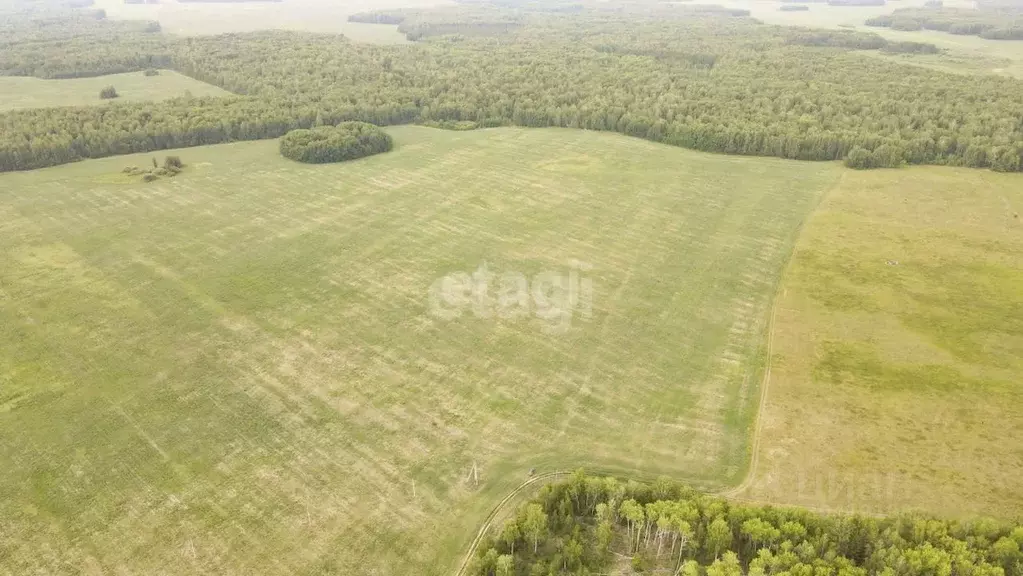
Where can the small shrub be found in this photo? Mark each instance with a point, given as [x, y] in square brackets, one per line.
[640, 563]
[456, 125]
[859, 159]
[976, 156]
[173, 162]
[911, 48]
[108, 93]
[150, 177]
[151, 72]
[1005, 160]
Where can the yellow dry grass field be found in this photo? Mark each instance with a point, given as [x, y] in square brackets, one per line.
[898, 349]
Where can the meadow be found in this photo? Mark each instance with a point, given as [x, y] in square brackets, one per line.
[897, 349]
[960, 54]
[323, 16]
[242, 368]
[18, 92]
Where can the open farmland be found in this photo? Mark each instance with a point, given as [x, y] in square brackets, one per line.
[898, 348]
[21, 92]
[324, 16]
[239, 370]
[959, 54]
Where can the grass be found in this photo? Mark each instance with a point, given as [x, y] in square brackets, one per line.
[324, 16]
[21, 92]
[961, 54]
[898, 348]
[820, 15]
[236, 370]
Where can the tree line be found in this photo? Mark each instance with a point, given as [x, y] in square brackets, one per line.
[586, 524]
[993, 24]
[706, 81]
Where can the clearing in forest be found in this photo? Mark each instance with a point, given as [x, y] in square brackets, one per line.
[247, 368]
[222, 17]
[18, 92]
[898, 349]
[960, 54]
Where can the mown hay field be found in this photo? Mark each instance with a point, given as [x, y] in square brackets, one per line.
[243, 369]
[898, 347]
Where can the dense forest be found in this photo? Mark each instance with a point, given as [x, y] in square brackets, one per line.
[590, 525]
[692, 76]
[993, 24]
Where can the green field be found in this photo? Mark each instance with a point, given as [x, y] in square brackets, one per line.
[237, 370]
[21, 92]
[325, 16]
[820, 15]
[960, 54]
[898, 345]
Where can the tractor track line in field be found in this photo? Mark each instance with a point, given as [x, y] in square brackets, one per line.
[730, 494]
[497, 510]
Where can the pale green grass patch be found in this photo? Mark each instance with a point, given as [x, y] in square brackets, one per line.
[961, 54]
[322, 16]
[22, 92]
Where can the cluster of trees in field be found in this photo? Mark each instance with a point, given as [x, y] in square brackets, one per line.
[906, 47]
[857, 2]
[172, 166]
[586, 524]
[325, 144]
[705, 81]
[379, 17]
[1004, 24]
[62, 135]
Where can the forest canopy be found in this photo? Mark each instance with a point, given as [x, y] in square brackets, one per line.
[586, 525]
[324, 144]
[679, 75]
